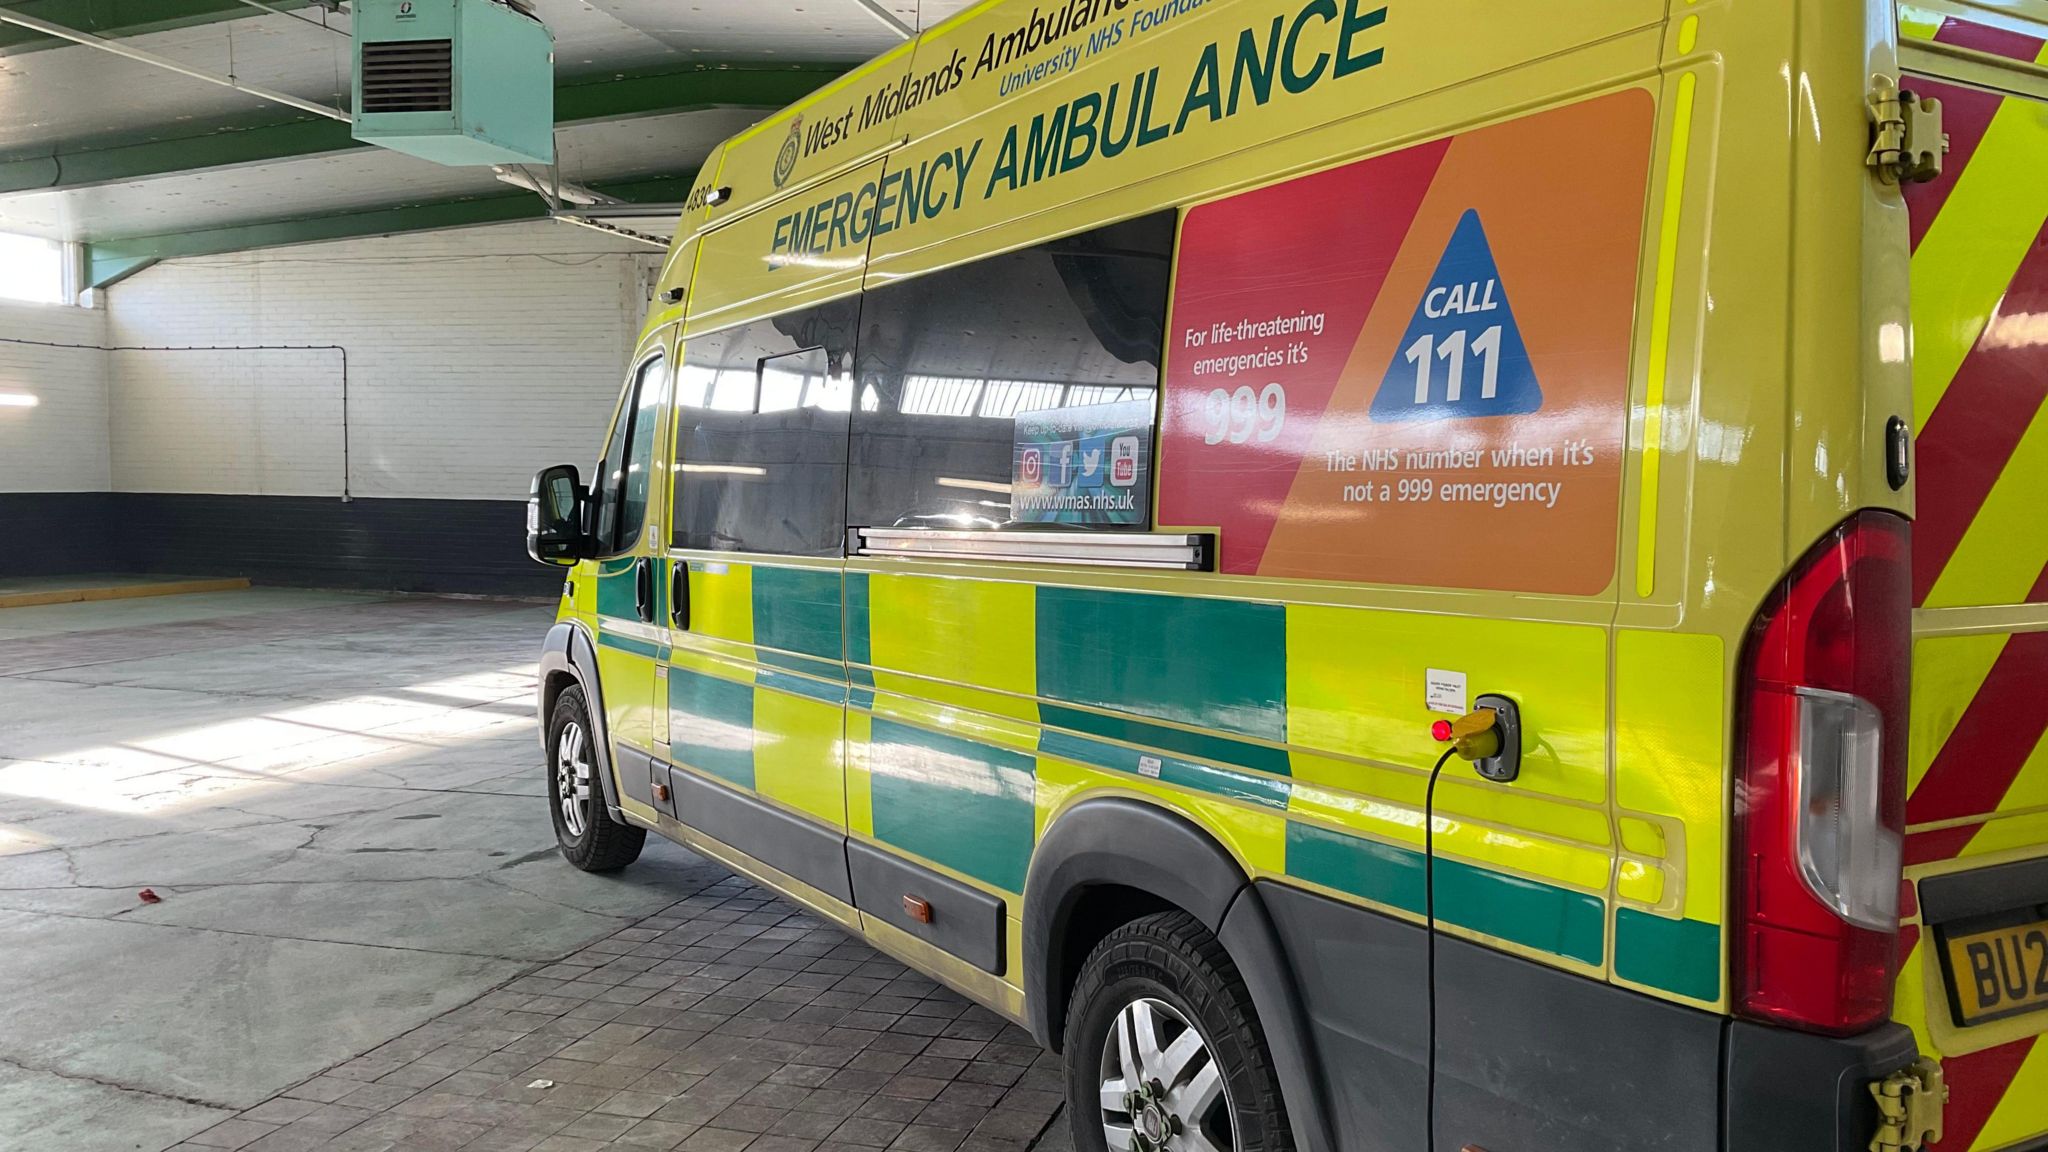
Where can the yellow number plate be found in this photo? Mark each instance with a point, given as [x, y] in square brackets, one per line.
[1998, 972]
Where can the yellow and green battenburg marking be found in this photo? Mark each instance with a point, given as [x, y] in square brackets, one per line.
[963, 693]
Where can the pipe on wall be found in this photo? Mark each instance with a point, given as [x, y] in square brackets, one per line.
[346, 494]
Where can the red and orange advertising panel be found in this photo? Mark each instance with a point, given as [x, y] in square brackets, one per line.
[1414, 369]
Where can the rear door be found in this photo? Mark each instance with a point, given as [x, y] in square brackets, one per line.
[1974, 982]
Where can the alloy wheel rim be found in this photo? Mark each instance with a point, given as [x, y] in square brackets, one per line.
[572, 777]
[1162, 1089]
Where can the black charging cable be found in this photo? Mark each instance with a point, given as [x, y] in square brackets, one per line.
[1429, 916]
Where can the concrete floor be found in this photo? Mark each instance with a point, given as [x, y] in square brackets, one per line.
[336, 797]
[727, 1022]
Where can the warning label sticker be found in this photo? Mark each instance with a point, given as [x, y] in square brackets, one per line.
[1414, 369]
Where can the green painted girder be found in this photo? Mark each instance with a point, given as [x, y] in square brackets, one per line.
[269, 136]
[109, 261]
[115, 160]
[652, 91]
[113, 19]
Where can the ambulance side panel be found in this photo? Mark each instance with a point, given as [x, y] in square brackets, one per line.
[1544, 196]
[1281, 710]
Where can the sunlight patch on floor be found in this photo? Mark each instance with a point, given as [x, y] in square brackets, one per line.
[209, 764]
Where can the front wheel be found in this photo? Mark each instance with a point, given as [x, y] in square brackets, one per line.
[588, 836]
[1163, 1049]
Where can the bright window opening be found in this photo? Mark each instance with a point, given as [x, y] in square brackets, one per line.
[31, 269]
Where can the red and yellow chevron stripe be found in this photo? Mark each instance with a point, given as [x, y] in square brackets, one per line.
[1980, 311]
[1979, 765]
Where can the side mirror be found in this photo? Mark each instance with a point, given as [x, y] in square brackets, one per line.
[554, 517]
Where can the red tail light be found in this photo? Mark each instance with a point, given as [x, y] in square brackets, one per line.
[1821, 799]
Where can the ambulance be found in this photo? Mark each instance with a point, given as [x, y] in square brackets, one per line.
[1412, 575]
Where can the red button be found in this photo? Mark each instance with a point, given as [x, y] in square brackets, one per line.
[1441, 730]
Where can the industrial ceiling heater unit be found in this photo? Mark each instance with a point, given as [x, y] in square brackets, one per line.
[455, 81]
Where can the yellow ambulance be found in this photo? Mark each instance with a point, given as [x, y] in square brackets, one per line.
[1421, 575]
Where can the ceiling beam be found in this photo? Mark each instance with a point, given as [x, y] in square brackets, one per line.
[109, 261]
[129, 51]
[114, 19]
[224, 144]
[653, 91]
[269, 137]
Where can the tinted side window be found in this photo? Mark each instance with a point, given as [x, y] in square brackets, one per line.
[761, 413]
[640, 458]
[623, 475]
[1018, 390]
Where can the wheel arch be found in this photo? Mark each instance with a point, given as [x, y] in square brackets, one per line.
[568, 657]
[1103, 858]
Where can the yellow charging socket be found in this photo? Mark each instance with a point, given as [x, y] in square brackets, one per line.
[1476, 735]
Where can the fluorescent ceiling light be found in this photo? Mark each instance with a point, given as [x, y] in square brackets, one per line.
[18, 400]
[728, 469]
[977, 485]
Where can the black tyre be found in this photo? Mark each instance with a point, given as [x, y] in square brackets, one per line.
[589, 838]
[1163, 1049]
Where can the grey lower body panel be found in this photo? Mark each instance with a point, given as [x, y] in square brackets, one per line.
[1364, 983]
[965, 921]
[1531, 1058]
[636, 775]
[809, 851]
[1534, 1059]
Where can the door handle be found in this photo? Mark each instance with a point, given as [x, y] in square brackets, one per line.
[679, 594]
[643, 590]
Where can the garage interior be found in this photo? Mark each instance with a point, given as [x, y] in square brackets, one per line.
[276, 869]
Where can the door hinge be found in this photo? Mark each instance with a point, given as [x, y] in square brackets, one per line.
[1909, 1104]
[1907, 137]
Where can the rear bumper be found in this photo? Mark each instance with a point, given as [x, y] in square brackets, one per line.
[1788, 1090]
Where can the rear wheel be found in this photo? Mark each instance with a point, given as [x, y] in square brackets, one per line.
[587, 835]
[1164, 1052]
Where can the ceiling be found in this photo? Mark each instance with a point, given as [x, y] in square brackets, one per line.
[354, 181]
[73, 118]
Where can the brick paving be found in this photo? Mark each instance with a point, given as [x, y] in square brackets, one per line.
[728, 1022]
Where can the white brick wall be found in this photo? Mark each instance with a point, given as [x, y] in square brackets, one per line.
[475, 356]
[258, 423]
[60, 445]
